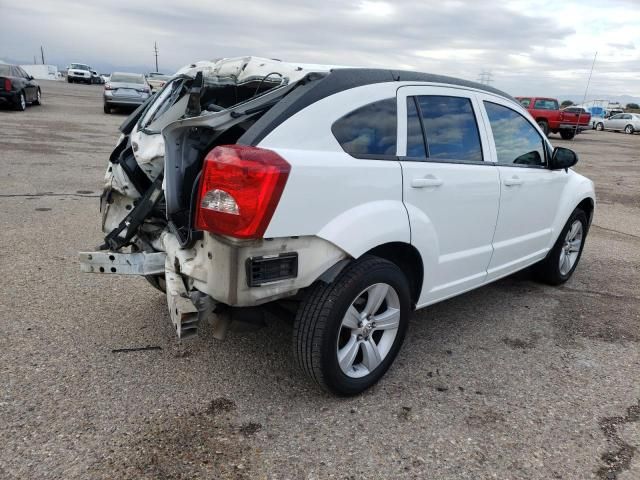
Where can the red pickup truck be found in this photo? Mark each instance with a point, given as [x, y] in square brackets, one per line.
[547, 114]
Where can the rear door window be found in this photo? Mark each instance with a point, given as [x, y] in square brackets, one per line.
[369, 131]
[518, 143]
[450, 128]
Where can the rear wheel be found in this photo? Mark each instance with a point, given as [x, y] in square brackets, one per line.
[563, 258]
[21, 103]
[599, 126]
[544, 126]
[628, 129]
[347, 333]
[567, 134]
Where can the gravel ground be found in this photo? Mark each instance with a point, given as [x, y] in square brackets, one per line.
[514, 380]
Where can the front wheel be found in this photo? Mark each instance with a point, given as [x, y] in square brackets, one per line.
[567, 134]
[347, 333]
[563, 258]
[628, 129]
[599, 126]
[38, 100]
[544, 126]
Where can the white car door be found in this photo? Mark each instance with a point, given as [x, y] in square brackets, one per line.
[529, 191]
[451, 193]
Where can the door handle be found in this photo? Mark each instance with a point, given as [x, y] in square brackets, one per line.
[513, 181]
[428, 181]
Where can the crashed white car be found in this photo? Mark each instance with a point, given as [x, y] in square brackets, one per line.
[348, 197]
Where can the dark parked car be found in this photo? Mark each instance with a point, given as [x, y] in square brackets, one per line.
[18, 88]
[125, 90]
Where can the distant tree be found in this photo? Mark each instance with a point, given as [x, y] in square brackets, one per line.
[633, 106]
[566, 103]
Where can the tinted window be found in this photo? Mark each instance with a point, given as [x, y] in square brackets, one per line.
[545, 104]
[369, 130]
[126, 78]
[616, 117]
[415, 137]
[79, 66]
[626, 117]
[517, 141]
[450, 128]
[525, 102]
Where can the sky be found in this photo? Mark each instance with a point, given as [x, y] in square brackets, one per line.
[530, 47]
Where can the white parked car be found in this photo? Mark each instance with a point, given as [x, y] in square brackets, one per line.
[623, 122]
[79, 72]
[350, 196]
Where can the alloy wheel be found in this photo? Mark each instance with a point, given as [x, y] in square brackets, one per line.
[368, 330]
[571, 247]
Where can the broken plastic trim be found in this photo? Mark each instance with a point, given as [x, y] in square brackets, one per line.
[193, 106]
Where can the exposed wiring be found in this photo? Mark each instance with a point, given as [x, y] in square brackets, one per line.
[264, 78]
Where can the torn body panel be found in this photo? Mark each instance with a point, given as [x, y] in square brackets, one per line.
[151, 181]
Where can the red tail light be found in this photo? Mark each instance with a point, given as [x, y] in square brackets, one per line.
[239, 190]
[7, 84]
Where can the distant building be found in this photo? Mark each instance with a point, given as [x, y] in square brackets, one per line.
[43, 72]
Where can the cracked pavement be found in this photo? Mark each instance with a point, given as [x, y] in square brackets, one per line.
[515, 380]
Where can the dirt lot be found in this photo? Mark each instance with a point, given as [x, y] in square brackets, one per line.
[515, 380]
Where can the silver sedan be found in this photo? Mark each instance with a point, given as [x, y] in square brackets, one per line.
[623, 122]
[125, 90]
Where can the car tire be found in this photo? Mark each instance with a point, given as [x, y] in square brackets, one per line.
[21, 103]
[544, 126]
[107, 108]
[38, 100]
[340, 319]
[563, 258]
[599, 126]
[628, 129]
[567, 134]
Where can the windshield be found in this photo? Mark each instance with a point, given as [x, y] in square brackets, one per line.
[5, 70]
[127, 78]
[79, 66]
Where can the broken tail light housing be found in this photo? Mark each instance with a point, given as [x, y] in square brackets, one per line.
[239, 190]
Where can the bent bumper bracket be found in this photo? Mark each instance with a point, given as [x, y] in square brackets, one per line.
[139, 263]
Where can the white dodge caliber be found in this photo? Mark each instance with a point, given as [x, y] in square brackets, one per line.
[349, 197]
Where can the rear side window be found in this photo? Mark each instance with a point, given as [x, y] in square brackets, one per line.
[368, 131]
[450, 128]
[517, 141]
[545, 104]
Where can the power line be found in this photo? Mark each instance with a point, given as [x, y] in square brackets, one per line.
[485, 77]
[155, 51]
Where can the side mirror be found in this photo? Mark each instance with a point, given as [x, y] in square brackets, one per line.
[562, 158]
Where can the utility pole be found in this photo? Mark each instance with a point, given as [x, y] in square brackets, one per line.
[155, 50]
[485, 77]
[34, 60]
[42, 53]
